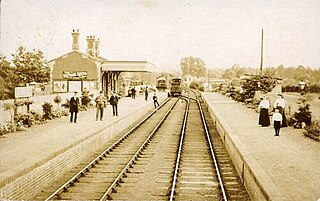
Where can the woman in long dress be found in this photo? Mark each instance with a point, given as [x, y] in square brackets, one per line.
[264, 105]
[281, 104]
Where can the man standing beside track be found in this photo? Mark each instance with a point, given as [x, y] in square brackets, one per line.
[74, 107]
[155, 100]
[114, 102]
[100, 105]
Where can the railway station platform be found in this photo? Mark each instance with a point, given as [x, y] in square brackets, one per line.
[28, 156]
[272, 168]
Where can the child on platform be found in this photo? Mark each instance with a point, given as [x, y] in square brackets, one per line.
[277, 120]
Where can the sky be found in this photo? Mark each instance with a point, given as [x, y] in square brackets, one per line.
[221, 33]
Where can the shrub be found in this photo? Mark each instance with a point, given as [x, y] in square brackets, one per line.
[38, 117]
[3, 129]
[291, 120]
[11, 126]
[25, 119]
[58, 113]
[66, 104]
[85, 98]
[264, 83]
[57, 100]
[313, 131]
[65, 112]
[303, 115]
[194, 85]
[47, 110]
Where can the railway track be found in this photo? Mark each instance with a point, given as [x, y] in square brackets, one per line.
[166, 157]
[110, 166]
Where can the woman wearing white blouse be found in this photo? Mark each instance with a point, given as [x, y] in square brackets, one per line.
[264, 112]
[280, 103]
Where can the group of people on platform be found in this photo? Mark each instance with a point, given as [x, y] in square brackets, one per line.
[278, 117]
[101, 103]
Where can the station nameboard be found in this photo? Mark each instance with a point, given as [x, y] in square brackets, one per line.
[74, 74]
[23, 92]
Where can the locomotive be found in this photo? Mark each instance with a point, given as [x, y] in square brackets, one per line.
[175, 87]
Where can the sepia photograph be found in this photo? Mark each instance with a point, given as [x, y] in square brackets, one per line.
[160, 100]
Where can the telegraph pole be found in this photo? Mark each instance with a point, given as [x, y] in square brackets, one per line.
[261, 62]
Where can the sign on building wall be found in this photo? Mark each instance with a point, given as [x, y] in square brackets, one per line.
[23, 92]
[60, 86]
[74, 74]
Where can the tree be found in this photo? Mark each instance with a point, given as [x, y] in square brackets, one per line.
[303, 115]
[234, 72]
[30, 66]
[8, 79]
[193, 66]
[258, 82]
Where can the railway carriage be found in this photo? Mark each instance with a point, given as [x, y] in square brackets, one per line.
[162, 83]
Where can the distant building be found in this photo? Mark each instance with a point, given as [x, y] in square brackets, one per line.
[78, 71]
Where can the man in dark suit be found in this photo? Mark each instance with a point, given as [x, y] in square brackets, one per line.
[114, 103]
[155, 100]
[133, 93]
[74, 107]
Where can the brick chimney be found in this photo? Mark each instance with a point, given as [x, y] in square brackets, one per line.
[75, 37]
[91, 45]
[97, 47]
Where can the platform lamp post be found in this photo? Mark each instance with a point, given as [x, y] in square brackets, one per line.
[302, 86]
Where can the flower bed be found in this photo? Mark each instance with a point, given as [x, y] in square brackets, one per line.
[313, 131]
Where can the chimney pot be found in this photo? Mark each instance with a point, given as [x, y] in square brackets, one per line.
[75, 37]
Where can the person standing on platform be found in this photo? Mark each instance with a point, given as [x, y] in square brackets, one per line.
[146, 93]
[74, 107]
[100, 105]
[277, 120]
[133, 93]
[280, 103]
[264, 105]
[114, 102]
[155, 100]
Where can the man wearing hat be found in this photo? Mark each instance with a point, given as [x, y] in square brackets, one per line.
[100, 105]
[74, 107]
[114, 102]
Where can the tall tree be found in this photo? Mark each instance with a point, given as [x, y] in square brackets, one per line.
[193, 66]
[31, 66]
[234, 72]
[8, 79]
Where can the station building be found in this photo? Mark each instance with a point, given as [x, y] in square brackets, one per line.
[79, 71]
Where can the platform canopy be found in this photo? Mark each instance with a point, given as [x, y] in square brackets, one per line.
[129, 66]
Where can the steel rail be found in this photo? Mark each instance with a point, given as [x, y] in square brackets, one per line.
[103, 154]
[174, 181]
[224, 195]
[135, 156]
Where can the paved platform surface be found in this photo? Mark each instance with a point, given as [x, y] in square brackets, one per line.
[292, 161]
[20, 152]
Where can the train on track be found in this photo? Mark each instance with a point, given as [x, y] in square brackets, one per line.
[162, 83]
[175, 87]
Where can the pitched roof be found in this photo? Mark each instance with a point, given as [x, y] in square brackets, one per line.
[98, 58]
